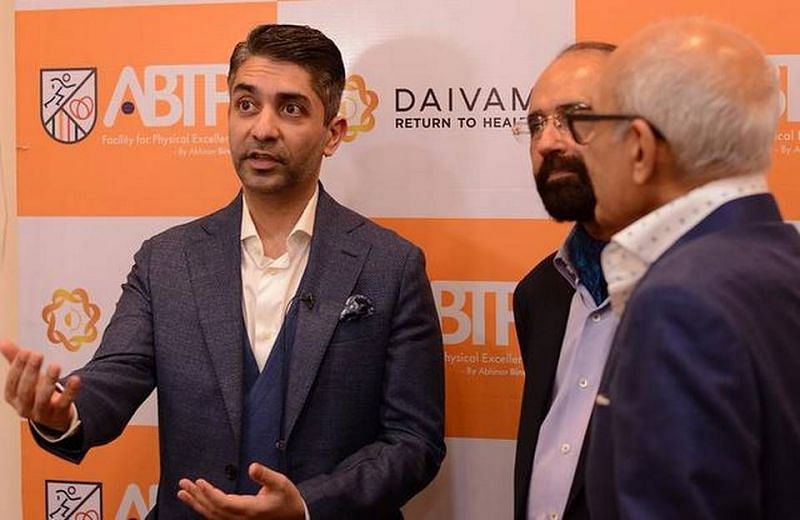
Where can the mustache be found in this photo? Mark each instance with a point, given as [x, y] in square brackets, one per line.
[554, 162]
[262, 153]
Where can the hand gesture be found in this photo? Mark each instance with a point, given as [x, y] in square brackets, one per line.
[277, 499]
[33, 394]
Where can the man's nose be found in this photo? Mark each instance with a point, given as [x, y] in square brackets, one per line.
[265, 125]
[554, 137]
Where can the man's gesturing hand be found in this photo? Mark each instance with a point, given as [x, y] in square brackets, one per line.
[33, 393]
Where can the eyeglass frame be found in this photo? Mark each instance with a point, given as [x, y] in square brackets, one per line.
[573, 116]
[559, 118]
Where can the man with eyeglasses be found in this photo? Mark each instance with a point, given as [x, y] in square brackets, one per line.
[563, 318]
[698, 414]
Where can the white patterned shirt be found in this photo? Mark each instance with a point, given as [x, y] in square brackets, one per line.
[634, 249]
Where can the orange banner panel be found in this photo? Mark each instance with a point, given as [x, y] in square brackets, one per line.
[122, 111]
[477, 249]
[474, 266]
[113, 481]
[772, 23]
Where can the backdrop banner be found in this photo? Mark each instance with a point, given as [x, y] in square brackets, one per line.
[121, 124]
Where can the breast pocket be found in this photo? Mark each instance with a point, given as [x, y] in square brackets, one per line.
[365, 329]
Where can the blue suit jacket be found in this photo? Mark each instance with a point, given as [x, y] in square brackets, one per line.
[704, 378]
[364, 405]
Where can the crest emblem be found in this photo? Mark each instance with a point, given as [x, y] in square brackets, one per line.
[68, 103]
[73, 500]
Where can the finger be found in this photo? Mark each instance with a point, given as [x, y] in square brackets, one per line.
[13, 377]
[234, 506]
[71, 388]
[201, 492]
[272, 480]
[224, 505]
[279, 492]
[26, 389]
[9, 350]
[44, 391]
[192, 495]
[187, 494]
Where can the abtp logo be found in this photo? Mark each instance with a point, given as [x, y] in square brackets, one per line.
[171, 87]
[68, 103]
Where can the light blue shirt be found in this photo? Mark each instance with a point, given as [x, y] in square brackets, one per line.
[584, 350]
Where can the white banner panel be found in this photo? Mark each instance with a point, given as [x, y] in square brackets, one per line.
[443, 82]
[73, 269]
[475, 483]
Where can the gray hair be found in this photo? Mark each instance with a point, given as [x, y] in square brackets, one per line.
[717, 120]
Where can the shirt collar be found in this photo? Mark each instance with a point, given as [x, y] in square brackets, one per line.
[585, 271]
[562, 261]
[302, 231]
[650, 236]
[633, 249]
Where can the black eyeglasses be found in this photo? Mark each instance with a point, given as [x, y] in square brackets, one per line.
[581, 124]
[534, 124]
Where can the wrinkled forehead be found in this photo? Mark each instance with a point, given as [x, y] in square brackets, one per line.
[571, 79]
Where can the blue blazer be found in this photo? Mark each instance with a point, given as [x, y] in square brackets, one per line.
[364, 406]
[703, 381]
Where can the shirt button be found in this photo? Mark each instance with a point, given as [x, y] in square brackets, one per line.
[583, 382]
[596, 317]
[565, 448]
[553, 516]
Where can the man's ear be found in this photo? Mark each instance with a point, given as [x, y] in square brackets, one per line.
[337, 128]
[643, 150]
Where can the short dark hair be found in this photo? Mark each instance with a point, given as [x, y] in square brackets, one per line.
[300, 45]
[588, 46]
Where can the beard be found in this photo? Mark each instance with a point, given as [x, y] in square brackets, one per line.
[568, 198]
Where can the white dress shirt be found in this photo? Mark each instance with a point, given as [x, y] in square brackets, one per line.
[584, 350]
[634, 249]
[269, 284]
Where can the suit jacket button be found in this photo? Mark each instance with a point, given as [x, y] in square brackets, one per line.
[280, 445]
[231, 472]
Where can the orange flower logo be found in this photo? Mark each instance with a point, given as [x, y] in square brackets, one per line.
[358, 104]
[71, 319]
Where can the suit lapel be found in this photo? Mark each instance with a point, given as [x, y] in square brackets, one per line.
[214, 260]
[334, 263]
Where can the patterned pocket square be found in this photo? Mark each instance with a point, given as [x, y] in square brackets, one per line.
[356, 307]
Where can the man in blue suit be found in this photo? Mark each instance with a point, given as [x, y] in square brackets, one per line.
[698, 415]
[294, 344]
